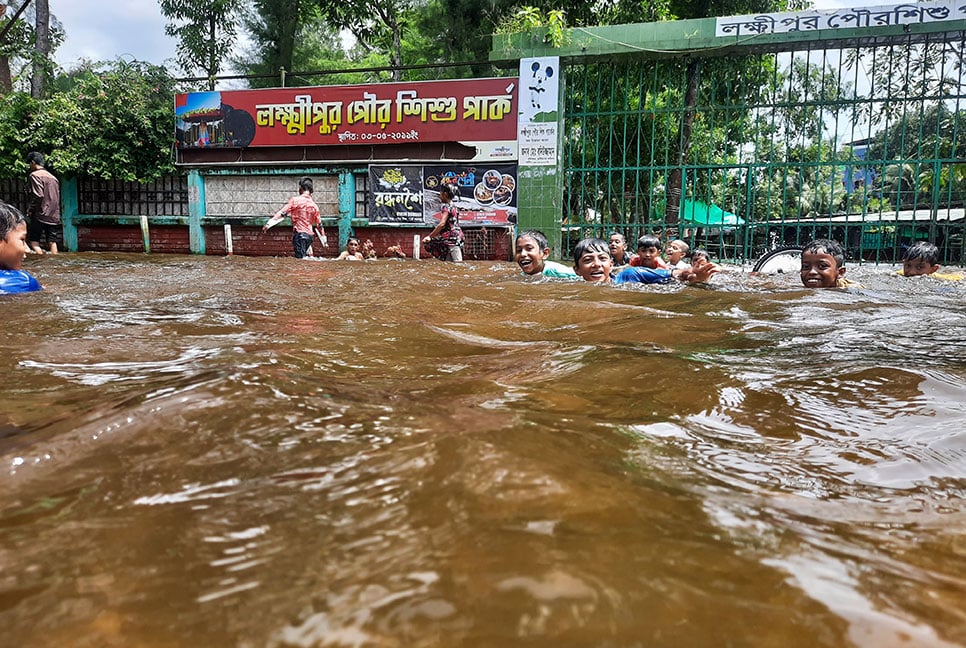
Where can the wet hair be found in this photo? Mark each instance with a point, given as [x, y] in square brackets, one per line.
[10, 219]
[35, 157]
[649, 240]
[449, 190]
[698, 253]
[590, 245]
[826, 246]
[539, 238]
[351, 239]
[685, 248]
[922, 250]
[305, 184]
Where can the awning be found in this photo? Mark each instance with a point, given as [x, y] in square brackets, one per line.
[699, 213]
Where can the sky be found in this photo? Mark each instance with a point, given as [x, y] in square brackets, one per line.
[104, 31]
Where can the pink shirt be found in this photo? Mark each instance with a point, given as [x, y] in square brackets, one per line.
[303, 211]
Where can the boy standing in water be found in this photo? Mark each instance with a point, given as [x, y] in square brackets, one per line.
[532, 255]
[305, 217]
[823, 265]
[13, 249]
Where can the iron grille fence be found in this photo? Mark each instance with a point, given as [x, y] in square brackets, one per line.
[863, 143]
[166, 196]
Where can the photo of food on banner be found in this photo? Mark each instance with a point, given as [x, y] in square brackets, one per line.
[484, 194]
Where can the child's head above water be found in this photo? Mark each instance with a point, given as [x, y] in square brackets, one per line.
[823, 264]
[699, 253]
[618, 245]
[13, 237]
[921, 258]
[592, 260]
[677, 250]
[533, 250]
[649, 250]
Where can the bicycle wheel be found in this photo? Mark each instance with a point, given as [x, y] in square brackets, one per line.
[783, 260]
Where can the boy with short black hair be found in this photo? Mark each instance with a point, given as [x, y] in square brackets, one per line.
[532, 255]
[921, 258]
[648, 253]
[305, 216]
[823, 265]
[13, 250]
[618, 249]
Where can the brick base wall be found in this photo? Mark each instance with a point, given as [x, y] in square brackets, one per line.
[485, 244]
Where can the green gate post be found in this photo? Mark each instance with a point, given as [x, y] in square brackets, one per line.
[540, 188]
[196, 211]
[69, 208]
[347, 206]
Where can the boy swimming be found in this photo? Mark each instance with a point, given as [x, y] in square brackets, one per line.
[13, 250]
[593, 262]
[823, 265]
[532, 255]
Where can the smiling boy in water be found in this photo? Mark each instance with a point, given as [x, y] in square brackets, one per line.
[532, 255]
[13, 250]
[593, 262]
[823, 265]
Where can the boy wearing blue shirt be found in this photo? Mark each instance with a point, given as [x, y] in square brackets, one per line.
[13, 250]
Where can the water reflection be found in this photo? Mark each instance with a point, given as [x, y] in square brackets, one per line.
[254, 452]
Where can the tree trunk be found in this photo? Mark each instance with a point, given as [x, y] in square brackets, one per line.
[675, 181]
[38, 80]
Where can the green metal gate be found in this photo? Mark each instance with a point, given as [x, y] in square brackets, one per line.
[742, 145]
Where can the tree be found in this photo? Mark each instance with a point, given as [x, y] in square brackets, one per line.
[206, 33]
[108, 121]
[28, 35]
[42, 49]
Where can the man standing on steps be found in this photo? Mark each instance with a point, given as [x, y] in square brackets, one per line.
[43, 211]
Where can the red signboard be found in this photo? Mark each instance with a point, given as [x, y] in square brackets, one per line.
[458, 110]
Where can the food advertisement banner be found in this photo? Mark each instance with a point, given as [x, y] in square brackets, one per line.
[456, 110]
[485, 195]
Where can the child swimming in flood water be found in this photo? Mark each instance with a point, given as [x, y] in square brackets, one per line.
[13, 250]
[648, 253]
[618, 249]
[823, 265]
[593, 262]
[352, 251]
[532, 255]
[677, 253]
[922, 258]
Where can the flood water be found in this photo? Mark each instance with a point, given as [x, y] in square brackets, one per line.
[202, 451]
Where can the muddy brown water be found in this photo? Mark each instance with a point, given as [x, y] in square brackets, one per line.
[201, 451]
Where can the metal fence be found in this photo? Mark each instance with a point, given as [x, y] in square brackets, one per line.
[859, 141]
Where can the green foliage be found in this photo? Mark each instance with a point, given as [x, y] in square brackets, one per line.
[205, 30]
[115, 122]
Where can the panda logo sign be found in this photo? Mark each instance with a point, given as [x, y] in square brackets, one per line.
[540, 79]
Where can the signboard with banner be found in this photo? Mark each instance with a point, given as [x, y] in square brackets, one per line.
[485, 195]
[470, 111]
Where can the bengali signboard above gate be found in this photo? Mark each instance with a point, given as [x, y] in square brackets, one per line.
[481, 112]
[845, 18]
